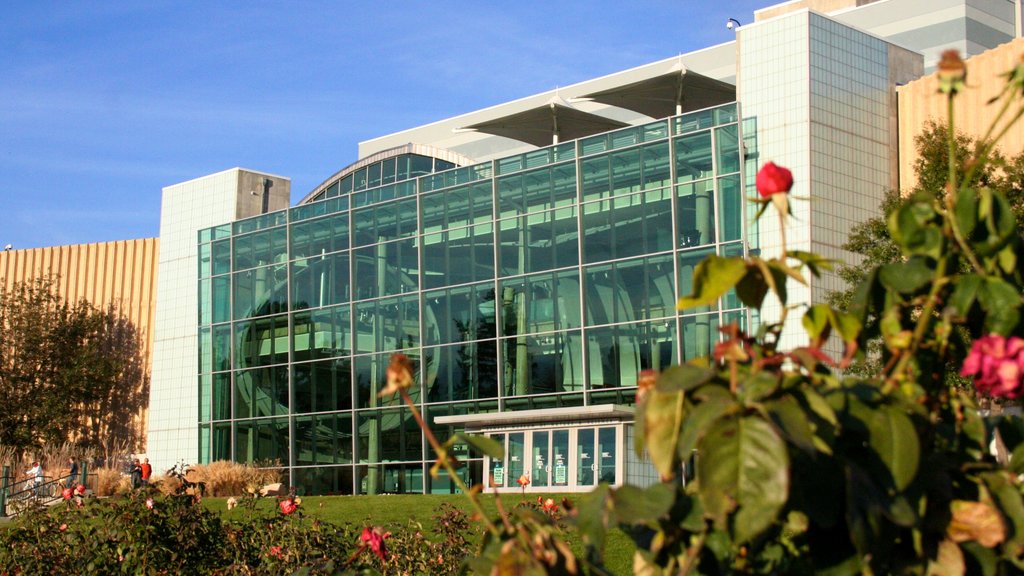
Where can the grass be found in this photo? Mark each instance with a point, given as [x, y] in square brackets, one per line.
[418, 508]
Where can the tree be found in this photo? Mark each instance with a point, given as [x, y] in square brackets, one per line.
[871, 239]
[68, 371]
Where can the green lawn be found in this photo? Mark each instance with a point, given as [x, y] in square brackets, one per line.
[401, 509]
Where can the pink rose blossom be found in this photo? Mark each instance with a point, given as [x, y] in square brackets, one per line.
[288, 506]
[374, 539]
[997, 364]
[149, 503]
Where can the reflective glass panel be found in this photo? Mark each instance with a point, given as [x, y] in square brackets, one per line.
[696, 213]
[627, 226]
[320, 281]
[261, 392]
[262, 440]
[459, 314]
[323, 439]
[693, 157]
[630, 290]
[388, 324]
[458, 256]
[540, 303]
[545, 363]
[321, 334]
[320, 236]
[540, 241]
[700, 333]
[617, 354]
[462, 372]
[386, 269]
[322, 386]
[261, 342]
[260, 291]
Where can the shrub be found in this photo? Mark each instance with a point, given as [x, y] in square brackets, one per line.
[148, 533]
[110, 481]
[225, 478]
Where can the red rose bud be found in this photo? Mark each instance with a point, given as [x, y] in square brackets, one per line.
[773, 179]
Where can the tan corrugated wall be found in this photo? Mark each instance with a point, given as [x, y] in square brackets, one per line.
[121, 273]
[920, 101]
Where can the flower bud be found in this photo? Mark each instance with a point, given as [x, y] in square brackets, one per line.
[773, 179]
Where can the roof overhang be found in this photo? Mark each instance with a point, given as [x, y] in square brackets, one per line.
[676, 92]
[542, 416]
[555, 121]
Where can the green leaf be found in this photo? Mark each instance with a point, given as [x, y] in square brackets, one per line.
[913, 227]
[758, 385]
[847, 325]
[661, 421]
[816, 321]
[744, 462]
[483, 444]
[752, 288]
[814, 262]
[979, 560]
[712, 278]
[683, 377]
[906, 277]
[894, 439]
[999, 219]
[593, 516]
[788, 415]
[634, 505]
[966, 212]
[1007, 259]
[774, 277]
[699, 420]
[964, 293]
[1001, 301]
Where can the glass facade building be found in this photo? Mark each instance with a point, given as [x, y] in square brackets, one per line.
[535, 285]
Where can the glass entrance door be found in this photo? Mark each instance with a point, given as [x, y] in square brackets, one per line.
[539, 461]
[562, 459]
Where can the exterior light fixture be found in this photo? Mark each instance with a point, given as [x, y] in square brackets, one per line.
[732, 24]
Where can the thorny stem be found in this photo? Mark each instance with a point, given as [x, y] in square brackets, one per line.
[442, 456]
[951, 146]
[692, 554]
[988, 142]
[922, 324]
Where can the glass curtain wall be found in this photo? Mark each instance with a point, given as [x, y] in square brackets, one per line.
[546, 279]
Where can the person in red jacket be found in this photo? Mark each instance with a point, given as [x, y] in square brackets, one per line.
[147, 471]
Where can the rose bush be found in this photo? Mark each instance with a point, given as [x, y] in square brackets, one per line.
[153, 534]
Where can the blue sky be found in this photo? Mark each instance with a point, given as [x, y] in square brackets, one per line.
[103, 104]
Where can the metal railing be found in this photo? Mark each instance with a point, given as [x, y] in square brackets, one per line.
[18, 495]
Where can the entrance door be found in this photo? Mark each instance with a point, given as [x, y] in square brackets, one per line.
[539, 461]
[560, 458]
[566, 459]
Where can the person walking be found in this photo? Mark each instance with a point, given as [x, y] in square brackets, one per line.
[72, 473]
[147, 471]
[35, 475]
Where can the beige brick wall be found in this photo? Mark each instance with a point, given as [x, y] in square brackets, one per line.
[121, 273]
[920, 101]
